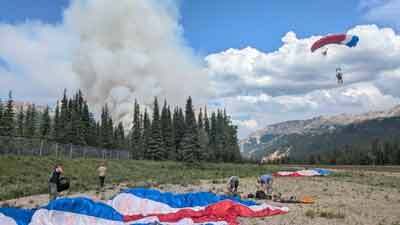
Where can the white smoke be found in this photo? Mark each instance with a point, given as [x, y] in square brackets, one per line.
[133, 49]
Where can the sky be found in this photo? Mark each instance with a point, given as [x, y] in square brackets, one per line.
[250, 57]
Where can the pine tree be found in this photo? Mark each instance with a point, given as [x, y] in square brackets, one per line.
[167, 133]
[20, 122]
[179, 131]
[146, 134]
[64, 120]
[120, 133]
[77, 135]
[93, 132]
[45, 125]
[206, 122]
[85, 122]
[200, 123]
[190, 143]
[105, 137]
[57, 123]
[213, 137]
[156, 148]
[202, 137]
[9, 117]
[136, 134]
[31, 121]
[1, 118]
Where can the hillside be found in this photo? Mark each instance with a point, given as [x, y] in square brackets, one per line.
[320, 134]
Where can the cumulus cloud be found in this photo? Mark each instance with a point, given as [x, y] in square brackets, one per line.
[293, 69]
[114, 52]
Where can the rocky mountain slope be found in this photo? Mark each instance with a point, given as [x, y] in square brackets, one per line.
[276, 139]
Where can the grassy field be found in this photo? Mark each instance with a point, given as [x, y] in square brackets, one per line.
[23, 176]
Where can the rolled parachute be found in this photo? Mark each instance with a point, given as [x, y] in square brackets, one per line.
[339, 39]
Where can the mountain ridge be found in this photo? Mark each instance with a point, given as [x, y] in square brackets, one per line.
[271, 138]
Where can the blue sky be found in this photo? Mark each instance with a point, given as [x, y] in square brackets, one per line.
[260, 23]
[18, 11]
[231, 24]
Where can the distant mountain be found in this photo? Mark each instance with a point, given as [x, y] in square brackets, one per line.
[301, 137]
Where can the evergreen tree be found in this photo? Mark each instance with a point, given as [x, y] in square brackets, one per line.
[213, 137]
[64, 119]
[136, 134]
[77, 134]
[167, 133]
[156, 148]
[85, 121]
[179, 130]
[120, 136]
[57, 124]
[105, 129]
[9, 117]
[190, 143]
[146, 134]
[1, 118]
[203, 145]
[20, 122]
[207, 126]
[45, 125]
[200, 120]
[31, 121]
[110, 133]
[93, 132]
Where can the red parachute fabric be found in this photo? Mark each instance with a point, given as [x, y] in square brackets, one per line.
[222, 211]
[330, 39]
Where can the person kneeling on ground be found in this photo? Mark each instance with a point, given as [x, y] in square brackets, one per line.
[54, 181]
[233, 184]
[265, 183]
[102, 174]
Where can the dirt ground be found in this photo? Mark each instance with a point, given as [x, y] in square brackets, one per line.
[338, 200]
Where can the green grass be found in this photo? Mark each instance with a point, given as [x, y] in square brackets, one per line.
[24, 176]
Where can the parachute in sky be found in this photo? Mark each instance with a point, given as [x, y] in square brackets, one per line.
[339, 39]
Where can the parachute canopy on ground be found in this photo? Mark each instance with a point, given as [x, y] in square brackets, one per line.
[339, 39]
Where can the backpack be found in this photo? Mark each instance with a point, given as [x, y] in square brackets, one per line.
[261, 195]
[63, 184]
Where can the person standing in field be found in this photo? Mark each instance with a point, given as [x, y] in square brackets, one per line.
[54, 181]
[102, 170]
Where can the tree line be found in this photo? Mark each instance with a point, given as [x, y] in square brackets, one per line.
[379, 153]
[163, 133]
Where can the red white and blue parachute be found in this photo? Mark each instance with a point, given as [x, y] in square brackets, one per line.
[142, 207]
[303, 173]
[339, 39]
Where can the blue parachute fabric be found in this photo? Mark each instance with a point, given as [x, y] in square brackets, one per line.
[184, 200]
[323, 172]
[353, 42]
[21, 216]
[85, 206]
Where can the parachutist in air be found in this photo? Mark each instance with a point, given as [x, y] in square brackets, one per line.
[339, 75]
